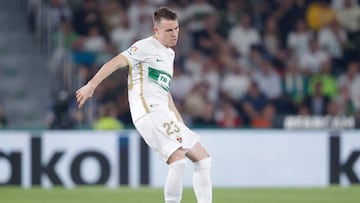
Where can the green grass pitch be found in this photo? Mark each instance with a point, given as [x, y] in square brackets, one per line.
[150, 195]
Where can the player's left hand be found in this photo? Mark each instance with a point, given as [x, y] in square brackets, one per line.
[83, 94]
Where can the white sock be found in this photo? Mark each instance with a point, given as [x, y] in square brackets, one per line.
[202, 181]
[174, 182]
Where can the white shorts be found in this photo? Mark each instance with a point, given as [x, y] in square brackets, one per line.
[164, 133]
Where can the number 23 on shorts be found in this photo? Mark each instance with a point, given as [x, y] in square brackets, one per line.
[171, 127]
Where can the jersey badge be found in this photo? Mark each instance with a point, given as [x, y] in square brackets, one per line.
[132, 50]
[179, 139]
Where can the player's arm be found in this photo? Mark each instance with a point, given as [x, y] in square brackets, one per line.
[86, 91]
[174, 109]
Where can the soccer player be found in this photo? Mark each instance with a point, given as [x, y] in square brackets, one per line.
[154, 114]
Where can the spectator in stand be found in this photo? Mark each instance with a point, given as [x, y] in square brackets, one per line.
[271, 37]
[84, 60]
[195, 15]
[268, 80]
[319, 14]
[65, 37]
[122, 36]
[252, 62]
[243, 36]
[235, 83]
[122, 105]
[185, 47]
[349, 77]
[332, 109]
[347, 86]
[349, 15]
[196, 100]
[224, 57]
[311, 60]
[88, 16]
[266, 118]
[112, 14]
[229, 16]
[208, 40]
[80, 119]
[227, 116]
[59, 116]
[94, 42]
[328, 81]
[193, 65]
[207, 118]
[179, 6]
[260, 11]
[181, 85]
[56, 12]
[109, 52]
[340, 4]
[304, 110]
[211, 77]
[252, 103]
[140, 17]
[294, 83]
[286, 13]
[344, 102]
[333, 38]
[64, 40]
[107, 118]
[294, 89]
[317, 102]
[298, 40]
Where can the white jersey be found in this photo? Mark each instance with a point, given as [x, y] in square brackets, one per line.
[150, 73]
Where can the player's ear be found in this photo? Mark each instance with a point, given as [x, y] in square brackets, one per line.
[155, 29]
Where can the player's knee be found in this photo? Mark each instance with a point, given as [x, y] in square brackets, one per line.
[176, 156]
[178, 164]
[203, 164]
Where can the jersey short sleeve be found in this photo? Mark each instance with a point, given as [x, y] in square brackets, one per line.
[134, 54]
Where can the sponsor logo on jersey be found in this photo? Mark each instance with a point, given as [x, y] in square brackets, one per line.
[160, 77]
[164, 81]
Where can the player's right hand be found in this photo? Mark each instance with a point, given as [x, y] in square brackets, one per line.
[83, 94]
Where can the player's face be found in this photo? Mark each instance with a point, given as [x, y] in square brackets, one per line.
[167, 32]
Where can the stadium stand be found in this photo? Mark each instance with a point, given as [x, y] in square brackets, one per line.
[259, 61]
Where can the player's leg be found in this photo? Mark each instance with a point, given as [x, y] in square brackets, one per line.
[202, 177]
[174, 182]
[170, 151]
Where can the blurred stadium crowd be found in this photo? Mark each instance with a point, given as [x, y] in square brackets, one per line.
[239, 63]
